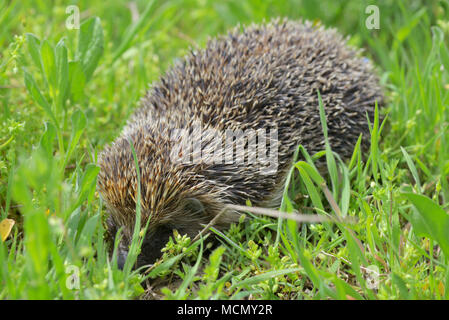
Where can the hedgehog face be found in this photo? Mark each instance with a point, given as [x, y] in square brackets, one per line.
[150, 251]
[188, 218]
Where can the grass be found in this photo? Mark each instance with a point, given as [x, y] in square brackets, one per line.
[65, 93]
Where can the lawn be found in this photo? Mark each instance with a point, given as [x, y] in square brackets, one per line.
[67, 88]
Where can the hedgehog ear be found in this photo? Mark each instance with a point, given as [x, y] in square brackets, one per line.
[194, 206]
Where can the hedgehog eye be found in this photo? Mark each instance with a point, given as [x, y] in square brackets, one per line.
[194, 206]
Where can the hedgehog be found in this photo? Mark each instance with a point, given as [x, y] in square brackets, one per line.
[261, 80]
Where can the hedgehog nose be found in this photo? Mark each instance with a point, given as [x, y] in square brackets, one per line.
[121, 259]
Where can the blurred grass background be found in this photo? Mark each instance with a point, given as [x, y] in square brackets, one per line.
[51, 194]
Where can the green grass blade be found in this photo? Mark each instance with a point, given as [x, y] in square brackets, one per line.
[90, 47]
[430, 220]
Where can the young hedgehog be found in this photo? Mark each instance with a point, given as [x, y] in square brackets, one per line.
[263, 77]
